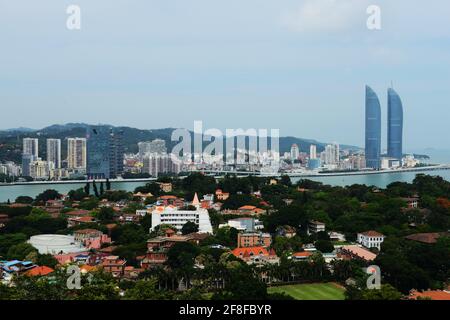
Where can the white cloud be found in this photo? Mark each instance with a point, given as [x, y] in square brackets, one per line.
[327, 15]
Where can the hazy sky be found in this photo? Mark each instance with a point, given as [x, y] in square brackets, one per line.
[300, 66]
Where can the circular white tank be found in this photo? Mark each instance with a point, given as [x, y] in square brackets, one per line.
[55, 244]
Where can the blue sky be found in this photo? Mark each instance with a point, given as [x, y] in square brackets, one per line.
[300, 66]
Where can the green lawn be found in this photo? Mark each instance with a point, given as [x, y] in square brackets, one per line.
[314, 291]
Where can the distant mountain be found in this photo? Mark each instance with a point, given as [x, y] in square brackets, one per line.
[13, 139]
[20, 129]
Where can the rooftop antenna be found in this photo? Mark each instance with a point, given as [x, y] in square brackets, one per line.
[392, 84]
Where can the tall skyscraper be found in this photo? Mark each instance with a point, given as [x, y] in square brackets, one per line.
[313, 151]
[54, 152]
[373, 129]
[116, 153]
[76, 153]
[104, 152]
[295, 152]
[395, 125]
[31, 146]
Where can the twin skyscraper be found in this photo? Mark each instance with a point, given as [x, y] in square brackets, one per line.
[373, 128]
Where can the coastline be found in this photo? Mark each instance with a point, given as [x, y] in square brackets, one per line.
[243, 173]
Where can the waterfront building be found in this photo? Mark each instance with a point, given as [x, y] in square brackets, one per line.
[76, 153]
[314, 164]
[156, 164]
[10, 168]
[331, 154]
[27, 159]
[373, 130]
[104, 152]
[295, 152]
[30, 153]
[395, 125]
[54, 152]
[157, 146]
[39, 169]
[31, 146]
[390, 163]
[313, 151]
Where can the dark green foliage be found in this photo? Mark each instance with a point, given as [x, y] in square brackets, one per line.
[48, 195]
[24, 200]
[78, 195]
[189, 227]
[105, 214]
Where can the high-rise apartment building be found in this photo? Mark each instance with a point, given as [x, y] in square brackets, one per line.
[30, 153]
[157, 146]
[156, 164]
[373, 130]
[31, 146]
[395, 125]
[76, 153]
[54, 152]
[104, 152]
[331, 154]
[295, 152]
[313, 152]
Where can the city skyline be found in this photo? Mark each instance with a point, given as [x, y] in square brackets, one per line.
[227, 67]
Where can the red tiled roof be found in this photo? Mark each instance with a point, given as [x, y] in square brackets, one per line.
[78, 213]
[360, 252]
[433, 295]
[247, 207]
[83, 219]
[87, 231]
[167, 197]
[302, 254]
[39, 271]
[246, 252]
[424, 237]
[372, 233]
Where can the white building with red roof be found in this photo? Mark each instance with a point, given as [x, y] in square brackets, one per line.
[178, 217]
[370, 239]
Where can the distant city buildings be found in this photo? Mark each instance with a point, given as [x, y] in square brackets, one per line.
[104, 152]
[54, 152]
[9, 168]
[373, 130]
[313, 151]
[29, 154]
[331, 154]
[76, 153]
[39, 170]
[156, 164]
[395, 125]
[31, 147]
[295, 152]
[157, 146]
